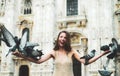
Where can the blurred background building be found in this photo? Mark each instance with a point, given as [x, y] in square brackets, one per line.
[91, 23]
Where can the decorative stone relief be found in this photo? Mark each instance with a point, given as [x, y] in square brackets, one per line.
[117, 12]
[118, 5]
[75, 37]
[2, 7]
[62, 25]
[70, 24]
[82, 23]
[25, 22]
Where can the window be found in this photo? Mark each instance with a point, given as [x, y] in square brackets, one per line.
[27, 7]
[72, 7]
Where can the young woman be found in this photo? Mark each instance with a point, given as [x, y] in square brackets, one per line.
[62, 54]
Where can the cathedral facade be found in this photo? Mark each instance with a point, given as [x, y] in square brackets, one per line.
[91, 23]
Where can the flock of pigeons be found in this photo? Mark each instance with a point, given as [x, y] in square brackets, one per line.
[22, 44]
[113, 47]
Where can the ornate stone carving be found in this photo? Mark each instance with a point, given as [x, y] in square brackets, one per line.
[75, 37]
[71, 22]
[2, 7]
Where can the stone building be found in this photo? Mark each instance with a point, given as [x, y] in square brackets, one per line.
[92, 23]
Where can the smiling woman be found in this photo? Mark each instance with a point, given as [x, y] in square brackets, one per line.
[62, 54]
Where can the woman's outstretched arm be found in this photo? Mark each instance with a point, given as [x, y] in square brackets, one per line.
[98, 56]
[41, 60]
[78, 57]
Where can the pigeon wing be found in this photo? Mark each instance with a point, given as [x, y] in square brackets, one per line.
[29, 44]
[8, 37]
[23, 42]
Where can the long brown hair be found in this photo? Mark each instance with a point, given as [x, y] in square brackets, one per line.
[67, 45]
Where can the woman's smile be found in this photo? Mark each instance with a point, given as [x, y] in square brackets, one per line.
[62, 39]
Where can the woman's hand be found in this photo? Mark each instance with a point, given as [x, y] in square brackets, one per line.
[106, 52]
[18, 54]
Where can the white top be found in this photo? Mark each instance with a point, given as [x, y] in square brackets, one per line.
[63, 65]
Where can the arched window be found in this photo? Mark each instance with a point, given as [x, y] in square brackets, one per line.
[27, 7]
[72, 7]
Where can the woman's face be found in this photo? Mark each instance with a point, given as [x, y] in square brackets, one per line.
[62, 39]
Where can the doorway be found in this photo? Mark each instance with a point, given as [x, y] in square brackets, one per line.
[76, 67]
[24, 70]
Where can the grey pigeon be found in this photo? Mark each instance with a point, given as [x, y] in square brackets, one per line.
[104, 48]
[23, 41]
[23, 44]
[106, 65]
[35, 54]
[105, 72]
[89, 56]
[27, 48]
[114, 48]
[8, 39]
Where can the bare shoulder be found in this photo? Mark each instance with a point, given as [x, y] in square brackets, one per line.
[52, 53]
[73, 51]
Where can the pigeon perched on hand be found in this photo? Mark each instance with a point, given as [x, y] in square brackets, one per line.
[104, 48]
[114, 48]
[89, 56]
[35, 54]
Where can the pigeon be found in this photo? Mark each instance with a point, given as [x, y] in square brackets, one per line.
[22, 44]
[8, 39]
[106, 65]
[89, 56]
[17, 41]
[104, 48]
[105, 72]
[114, 48]
[35, 54]
[23, 41]
[27, 48]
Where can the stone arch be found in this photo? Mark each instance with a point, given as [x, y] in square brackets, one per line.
[25, 23]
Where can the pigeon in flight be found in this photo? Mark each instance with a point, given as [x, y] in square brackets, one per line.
[27, 48]
[22, 44]
[23, 41]
[8, 39]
